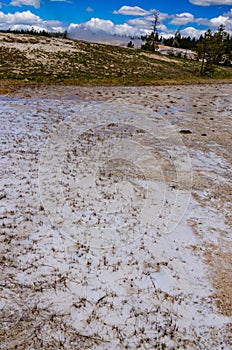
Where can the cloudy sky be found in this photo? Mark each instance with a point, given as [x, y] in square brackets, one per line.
[131, 18]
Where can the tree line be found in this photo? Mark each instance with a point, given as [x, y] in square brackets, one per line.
[211, 48]
[32, 31]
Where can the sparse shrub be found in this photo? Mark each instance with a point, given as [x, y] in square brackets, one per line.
[130, 45]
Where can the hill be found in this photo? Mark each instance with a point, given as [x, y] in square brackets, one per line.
[36, 59]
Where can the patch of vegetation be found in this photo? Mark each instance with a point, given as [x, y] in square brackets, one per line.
[65, 61]
[211, 49]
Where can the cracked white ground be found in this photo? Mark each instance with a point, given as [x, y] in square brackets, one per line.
[116, 218]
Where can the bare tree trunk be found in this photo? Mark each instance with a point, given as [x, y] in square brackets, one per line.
[155, 23]
[203, 61]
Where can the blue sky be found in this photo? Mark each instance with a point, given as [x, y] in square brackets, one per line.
[132, 18]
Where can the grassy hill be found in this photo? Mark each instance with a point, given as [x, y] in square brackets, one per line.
[35, 59]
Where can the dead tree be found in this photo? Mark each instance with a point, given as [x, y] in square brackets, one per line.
[154, 34]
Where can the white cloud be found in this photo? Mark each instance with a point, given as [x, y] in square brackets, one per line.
[202, 21]
[192, 32]
[182, 19]
[89, 9]
[25, 17]
[146, 21]
[27, 20]
[136, 27]
[140, 22]
[125, 30]
[211, 2]
[104, 27]
[163, 16]
[97, 24]
[217, 21]
[162, 27]
[214, 23]
[132, 11]
[19, 3]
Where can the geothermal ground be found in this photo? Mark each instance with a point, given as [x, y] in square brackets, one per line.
[116, 218]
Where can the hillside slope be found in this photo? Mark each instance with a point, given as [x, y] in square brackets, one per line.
[40, 59]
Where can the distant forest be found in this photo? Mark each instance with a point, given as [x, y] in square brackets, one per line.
[210, 48]
[188, 43]
[62, 35]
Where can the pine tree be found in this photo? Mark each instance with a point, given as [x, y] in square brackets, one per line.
[211, 48]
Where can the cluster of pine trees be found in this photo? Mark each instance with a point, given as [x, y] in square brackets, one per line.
[214, 49]
[211, 48]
